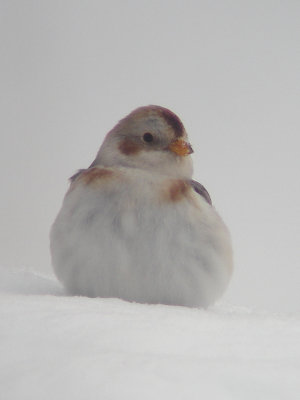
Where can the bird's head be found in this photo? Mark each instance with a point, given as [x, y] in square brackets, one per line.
[151, 138]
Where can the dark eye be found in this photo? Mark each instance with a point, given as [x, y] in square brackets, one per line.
[148, 138]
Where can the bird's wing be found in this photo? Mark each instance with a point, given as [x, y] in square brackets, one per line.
[73, 177]
[200, 189]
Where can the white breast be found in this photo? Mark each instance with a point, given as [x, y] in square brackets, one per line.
[120, 239]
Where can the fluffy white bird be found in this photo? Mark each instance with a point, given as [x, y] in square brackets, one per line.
[134, 225]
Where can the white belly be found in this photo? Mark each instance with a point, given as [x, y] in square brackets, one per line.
[123, 243]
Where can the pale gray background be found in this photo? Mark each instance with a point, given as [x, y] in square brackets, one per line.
[230, 69]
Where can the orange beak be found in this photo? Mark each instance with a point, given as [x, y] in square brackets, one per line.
[181, 147]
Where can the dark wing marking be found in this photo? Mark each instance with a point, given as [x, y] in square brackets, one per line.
[200, 189]
[73, 177]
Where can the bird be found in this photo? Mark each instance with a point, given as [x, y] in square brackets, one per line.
[134, 225]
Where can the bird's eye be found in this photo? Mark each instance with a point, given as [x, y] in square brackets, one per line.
[148, 137]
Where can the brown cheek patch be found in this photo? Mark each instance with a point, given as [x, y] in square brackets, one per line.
[177, 191]
[173, 121]
[128, 147]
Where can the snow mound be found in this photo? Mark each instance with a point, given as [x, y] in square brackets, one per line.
[58, 347]
[24, 281]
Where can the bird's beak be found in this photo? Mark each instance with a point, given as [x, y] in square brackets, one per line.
[181, 147]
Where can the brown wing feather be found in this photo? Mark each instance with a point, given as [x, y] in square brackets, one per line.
[79, 172]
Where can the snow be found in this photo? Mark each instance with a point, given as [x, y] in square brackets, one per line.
[57, 347]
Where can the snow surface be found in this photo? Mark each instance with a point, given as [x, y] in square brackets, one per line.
[58, 347]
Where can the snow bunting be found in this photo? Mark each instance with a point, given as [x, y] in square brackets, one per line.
[134, 225]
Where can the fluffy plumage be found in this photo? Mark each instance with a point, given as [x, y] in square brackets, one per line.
[134, 225]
